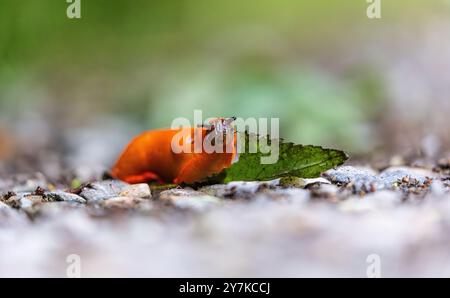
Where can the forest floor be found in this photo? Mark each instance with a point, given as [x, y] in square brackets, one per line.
[338, 225]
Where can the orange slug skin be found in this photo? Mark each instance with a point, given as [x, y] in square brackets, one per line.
[149, 157]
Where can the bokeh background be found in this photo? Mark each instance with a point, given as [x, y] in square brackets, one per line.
[74, 91]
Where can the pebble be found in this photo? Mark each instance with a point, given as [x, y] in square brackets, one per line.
[121, 202]
[103, 190]
[363, 179]
[367, 180]
[247, 189]
[23, 200]
[13, 202]
[179, 193]
[324, 191]
[189, 199]
[61, 196]
[27, 203]
[136, 191]
[216, 190]
[292, 182]
[315, 181]
[392, 175]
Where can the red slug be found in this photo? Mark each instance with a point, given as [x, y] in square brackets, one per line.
[150, 157]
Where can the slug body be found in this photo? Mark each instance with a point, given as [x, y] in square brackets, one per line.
[150, 157]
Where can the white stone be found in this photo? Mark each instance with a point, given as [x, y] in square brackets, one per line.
[136, 191]
[189, 199]
[123, 202]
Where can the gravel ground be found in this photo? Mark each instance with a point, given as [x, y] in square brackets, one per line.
[331, 226]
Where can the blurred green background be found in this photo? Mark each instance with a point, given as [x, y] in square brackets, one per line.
[332, 76]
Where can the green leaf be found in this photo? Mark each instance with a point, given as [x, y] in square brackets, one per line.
[294, 160]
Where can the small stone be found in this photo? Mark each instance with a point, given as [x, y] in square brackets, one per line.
[360, 179]
[347, 174]
[247, 189]
[325, 191]
[13, 202]
[319, 180]
[189, 199]
[301, 182]
[35, 199]
[179, 193]
[26, 203]
[24, 200]
[61, 196]
[103, 190]
[292, 182]
[8, 195]
[121, 202]
[366, 181]
[393, 175]
[215, 190]
[137, 191]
